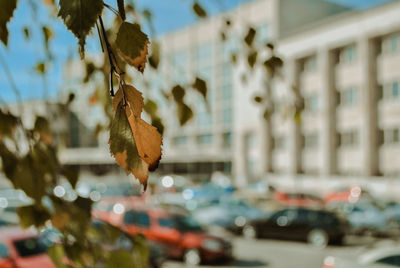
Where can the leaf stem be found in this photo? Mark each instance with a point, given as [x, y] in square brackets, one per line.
[113, 10]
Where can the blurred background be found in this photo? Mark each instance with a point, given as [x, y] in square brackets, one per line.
[289, 160]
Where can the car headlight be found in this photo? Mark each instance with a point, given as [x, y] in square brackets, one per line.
[212, 245]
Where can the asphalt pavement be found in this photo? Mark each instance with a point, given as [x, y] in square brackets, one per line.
[284, 254]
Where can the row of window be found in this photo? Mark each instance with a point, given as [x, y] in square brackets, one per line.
[204, 139]
[346, 139]
[348, 54]
[311, 141]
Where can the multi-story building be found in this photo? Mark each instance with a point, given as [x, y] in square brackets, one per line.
[226, 135]
[343, 62]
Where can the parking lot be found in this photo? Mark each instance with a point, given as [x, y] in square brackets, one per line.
[286, 254]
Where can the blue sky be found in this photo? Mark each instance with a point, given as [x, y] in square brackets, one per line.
[21, 55]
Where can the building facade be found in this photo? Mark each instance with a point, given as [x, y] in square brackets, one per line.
[345, 64]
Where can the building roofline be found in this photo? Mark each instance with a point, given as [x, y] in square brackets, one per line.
[331, 20]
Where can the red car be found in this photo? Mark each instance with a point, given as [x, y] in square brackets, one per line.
[183, 237]
[22, 249]
[298, 199]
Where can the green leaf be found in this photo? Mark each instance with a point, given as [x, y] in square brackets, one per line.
[33, 215]
[26, 33]
[71, 175]
[56, 254]
[185, 113]
[9, 161]
[252, 58]
[258, 99]
[121, 9]
[8, 123]
[201, 86]
[151, 108]
[40, 68]
[42, 127]
[154, 59]
[47, 35]
[80, 16]
[6, 13]
[123, 147]
[132, 45]
[178, 92]
[199, 10]
[120, 259]
[249, 38]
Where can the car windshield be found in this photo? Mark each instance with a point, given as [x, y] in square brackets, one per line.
[186, 224]
[30, 247]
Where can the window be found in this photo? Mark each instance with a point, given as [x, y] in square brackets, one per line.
[278, 143]
[348, 139]
[390, 44]
[137, 218]
[262, 35]
[180, 140]
[391, 136]
[391, 90]
[391, 260]
[311, 141]
[166, 222]
[311, 103]
[227, 116]
[348, 54]
[30, 247]
[348, 97]
[310, 64]
[227, 139]
[205, 139]
[180, 63]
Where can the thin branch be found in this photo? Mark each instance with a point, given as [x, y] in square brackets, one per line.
[10, 79]
[114, 67]
[113, 10]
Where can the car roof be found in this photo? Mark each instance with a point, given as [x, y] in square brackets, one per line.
[15, 233]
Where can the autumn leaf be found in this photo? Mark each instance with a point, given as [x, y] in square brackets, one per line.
[123, 146]
[148, 140]
[79, 17]
[132, 45]
[132, 95]
[6, 13]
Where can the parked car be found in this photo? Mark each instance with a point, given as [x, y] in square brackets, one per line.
[363, 217]
[183, 237]
[318, 227]
[231, 214]
[298, 199]
[22, 249]
[380, 257]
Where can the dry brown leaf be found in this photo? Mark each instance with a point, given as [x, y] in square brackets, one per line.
[140, 172]
[148, 141]
[133, 96]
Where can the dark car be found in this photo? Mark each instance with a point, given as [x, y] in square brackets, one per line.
[183, 237]
[318, 227]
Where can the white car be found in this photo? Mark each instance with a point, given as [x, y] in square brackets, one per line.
[380, 257]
